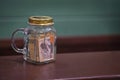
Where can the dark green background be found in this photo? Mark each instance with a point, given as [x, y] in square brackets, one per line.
[72, 17]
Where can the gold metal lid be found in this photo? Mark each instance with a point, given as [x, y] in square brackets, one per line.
[41, 20]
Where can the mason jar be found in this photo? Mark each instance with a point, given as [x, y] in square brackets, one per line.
[39, 40]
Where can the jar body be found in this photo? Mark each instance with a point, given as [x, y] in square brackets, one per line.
[39, 40]
[40, 44]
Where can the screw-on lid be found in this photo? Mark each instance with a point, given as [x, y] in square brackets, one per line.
[41, 20]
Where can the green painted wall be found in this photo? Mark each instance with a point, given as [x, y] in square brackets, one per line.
[72, 17]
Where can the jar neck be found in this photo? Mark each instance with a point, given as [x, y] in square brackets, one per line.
[42, 28]
[38, 26]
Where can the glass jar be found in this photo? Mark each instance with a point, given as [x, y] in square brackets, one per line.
[39, 40]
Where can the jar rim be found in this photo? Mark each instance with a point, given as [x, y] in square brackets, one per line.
[41, 20]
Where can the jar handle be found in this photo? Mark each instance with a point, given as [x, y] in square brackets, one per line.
[23, 30]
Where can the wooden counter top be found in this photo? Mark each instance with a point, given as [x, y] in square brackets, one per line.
[85, 66]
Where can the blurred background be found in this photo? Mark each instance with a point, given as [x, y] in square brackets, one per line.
[72, 17]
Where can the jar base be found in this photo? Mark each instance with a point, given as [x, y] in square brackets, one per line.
[37, 62]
